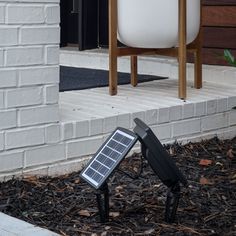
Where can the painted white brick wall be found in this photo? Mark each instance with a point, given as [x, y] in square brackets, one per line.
[46, 154]
[109, 124]
[82, 128]
[53, 133]
[21, 97]
[8, 119]
[19, 138]
[175, 113]
[188, 110]
[211, 107]
[200, 109]
[83, 147]
[1, 57]
[186, 127]
[52, 55]
[163, 131]
[52, 14]
[24, 56]
[29, 78]
[10, 36]
[1, 99]
[163, 115]
[2, 13]
[96, 126]
[40, 35]
[1, 141]
[21, 13]
[67, 131]
[8, 78]
[39, 75]
[222, 105]
[232, 102]
[232, 117]
[124, 120]
[11, 160]
[151, 117]
[214, 122]
[38, 115]
[51, 94]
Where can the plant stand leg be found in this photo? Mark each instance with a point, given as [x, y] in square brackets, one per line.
[134, 70]
[197, 69]
[198, 58]
[113, 47]
[182, 50]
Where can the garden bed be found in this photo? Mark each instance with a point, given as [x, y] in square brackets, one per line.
[67, 205]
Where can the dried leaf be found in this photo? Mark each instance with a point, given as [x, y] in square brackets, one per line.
[30, 178]
[233, 181]
[205, 181]
[77, 181]
[171, 151]
[84, 213]
[104, 233]
[119, 188]
[219, 163]
[205, 162]
[114, 214]
[230, 153]
[149, 231]
[157, 185]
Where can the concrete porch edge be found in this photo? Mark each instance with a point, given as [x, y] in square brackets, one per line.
[10, 226]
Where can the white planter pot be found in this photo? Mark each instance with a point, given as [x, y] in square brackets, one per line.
[154, 23]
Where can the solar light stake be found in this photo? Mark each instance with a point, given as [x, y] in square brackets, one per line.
[104, 162]
[172, 202]
[103, 202]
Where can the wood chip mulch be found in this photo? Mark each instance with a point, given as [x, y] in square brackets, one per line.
[67, 205]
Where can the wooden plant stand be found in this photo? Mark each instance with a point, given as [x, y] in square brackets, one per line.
[179, 52]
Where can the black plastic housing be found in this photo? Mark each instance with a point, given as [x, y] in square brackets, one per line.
[157, 156]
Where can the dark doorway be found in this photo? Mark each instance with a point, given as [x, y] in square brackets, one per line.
[69, 22]
[84, 23]
[103, 23]
[88, 24]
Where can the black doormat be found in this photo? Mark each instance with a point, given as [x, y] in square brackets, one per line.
[81, 78]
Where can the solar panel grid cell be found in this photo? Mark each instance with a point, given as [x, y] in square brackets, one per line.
[101, 158]
[115, 148]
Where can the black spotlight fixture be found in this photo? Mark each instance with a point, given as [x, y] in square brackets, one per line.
[112, 152]
[162, 164]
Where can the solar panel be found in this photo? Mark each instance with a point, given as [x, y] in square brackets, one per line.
[108, 157]
[157, 156]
